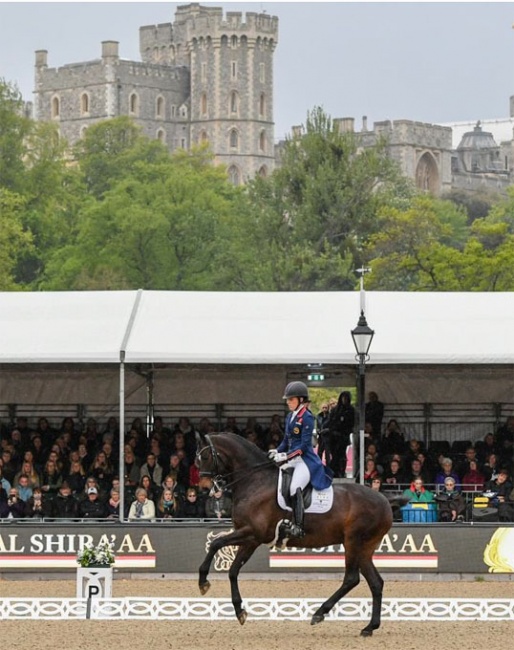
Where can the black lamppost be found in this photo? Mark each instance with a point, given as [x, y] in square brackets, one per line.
[362, 336]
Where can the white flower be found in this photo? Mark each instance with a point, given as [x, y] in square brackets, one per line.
[102, 555]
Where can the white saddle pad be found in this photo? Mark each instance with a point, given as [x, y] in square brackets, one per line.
[321, 500]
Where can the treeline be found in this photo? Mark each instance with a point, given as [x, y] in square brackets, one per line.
[117, 211]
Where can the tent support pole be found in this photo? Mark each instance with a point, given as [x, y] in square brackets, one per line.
[122, 440]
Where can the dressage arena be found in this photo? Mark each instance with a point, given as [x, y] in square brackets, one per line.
[416, 615]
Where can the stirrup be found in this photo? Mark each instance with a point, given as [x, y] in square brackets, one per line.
[290, 529]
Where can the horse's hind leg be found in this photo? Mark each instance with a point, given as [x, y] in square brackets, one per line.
[244, 553]
[232, 539]
[376, 585]
[351, 580]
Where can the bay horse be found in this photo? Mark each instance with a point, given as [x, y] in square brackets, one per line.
[358, 519]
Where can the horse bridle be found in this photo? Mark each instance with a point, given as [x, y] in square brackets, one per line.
[219, 482]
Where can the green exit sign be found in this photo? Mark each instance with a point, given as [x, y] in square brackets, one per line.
[316, 377]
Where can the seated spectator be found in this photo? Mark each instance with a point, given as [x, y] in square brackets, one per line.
[470, 456]
[152, 469]
[376, 484]
[142, 508]
[491, 467]
[92, 507]
[51, 479]
[473, 480]
[76, 478]
[63, 505]
[14, 507]
[132, 470]
[102, 470]
[499, 491]
[168, 505]
[485, 447]
[24, 488]
[113, 505]
[452, 505]
[170, 482]
[37, 507]
[3, 481]
[194, 475]
[393, 476]
[218, 506]
[445, 471]
[30, 472]
[91, 482]
[151, 491]
[181, 470]
[231, 426]
[370, 471]
[8, 465]
[193, 507]
[417, 471]
[417, 493]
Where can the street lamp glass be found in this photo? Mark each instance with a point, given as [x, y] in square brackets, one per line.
[362, 336]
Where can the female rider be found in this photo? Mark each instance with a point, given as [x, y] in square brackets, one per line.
[296, 451]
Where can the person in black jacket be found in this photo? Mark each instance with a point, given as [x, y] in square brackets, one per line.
[340, 426]
[92, 507]
[64, 505]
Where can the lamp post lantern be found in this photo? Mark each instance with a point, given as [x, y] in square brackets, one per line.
[362, 336]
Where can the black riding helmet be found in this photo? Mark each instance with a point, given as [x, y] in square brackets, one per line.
[296, 389]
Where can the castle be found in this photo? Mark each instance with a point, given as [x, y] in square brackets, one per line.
[202, 78]
[207, 77]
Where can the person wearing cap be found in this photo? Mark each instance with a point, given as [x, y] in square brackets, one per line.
[296, 452]
[92, 507]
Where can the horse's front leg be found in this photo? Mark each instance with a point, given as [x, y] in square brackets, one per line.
[232, 539]
[244, 553]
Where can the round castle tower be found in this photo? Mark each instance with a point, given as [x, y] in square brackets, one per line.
[231, 70]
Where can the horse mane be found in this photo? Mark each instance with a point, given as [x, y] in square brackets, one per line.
[246, 450]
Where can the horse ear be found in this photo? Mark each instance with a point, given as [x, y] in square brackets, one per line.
[200, 440]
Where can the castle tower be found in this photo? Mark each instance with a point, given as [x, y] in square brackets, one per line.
[231, 70]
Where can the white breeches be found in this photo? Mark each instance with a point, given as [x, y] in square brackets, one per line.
[301, 476]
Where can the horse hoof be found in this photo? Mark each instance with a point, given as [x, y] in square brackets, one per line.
[366, 632]
[317, 618]
[242, 617]
[204, 587]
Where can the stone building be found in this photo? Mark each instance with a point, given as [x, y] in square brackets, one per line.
[205, 77]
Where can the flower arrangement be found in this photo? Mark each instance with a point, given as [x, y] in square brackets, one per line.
[101, 555]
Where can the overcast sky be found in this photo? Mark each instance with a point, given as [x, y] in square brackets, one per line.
[432, 62]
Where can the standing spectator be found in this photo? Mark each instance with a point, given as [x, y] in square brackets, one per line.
[142, 508]
[340, 425]
[374, 414]
[218, 506]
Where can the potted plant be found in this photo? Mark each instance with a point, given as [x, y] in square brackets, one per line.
[94, 573]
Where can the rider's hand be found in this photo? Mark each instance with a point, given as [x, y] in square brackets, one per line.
[280, 458]
[272, 453]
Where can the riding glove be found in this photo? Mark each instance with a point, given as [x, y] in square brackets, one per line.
[280, 458]
[272, 453]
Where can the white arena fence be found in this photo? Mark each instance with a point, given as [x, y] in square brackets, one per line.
[258, 609]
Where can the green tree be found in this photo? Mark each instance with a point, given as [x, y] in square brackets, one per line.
[14, 127]
[15, 241]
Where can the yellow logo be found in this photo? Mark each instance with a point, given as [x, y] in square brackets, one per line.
[499, 553]
[296, 430]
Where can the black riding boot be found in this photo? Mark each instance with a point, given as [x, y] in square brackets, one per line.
[296, 529]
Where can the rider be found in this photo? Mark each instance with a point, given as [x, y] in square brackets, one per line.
[297, 452]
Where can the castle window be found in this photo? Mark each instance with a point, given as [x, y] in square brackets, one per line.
[156, 54]
[262, 141]
[244, 41]
[134, 104]
[233, 69]
[233, 139]
[159, 107]
[183, 143]
[183, 111]
[203, 104]
[234, 41]
[173, 111]
[233, 175]
[204, 137]
[262, 73]
[83, 131]
[224, 41]
[262, 105]
[84, 104]
[263, 171]
[161, 136]
[172, 54]
[203, 72]
[56, 107]
[234, 102]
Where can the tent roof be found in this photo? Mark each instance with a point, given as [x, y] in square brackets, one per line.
[254, 328]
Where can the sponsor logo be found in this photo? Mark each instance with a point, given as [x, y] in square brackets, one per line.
[59, 550]
[499, 552]
[394, 552]
[226, 555]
